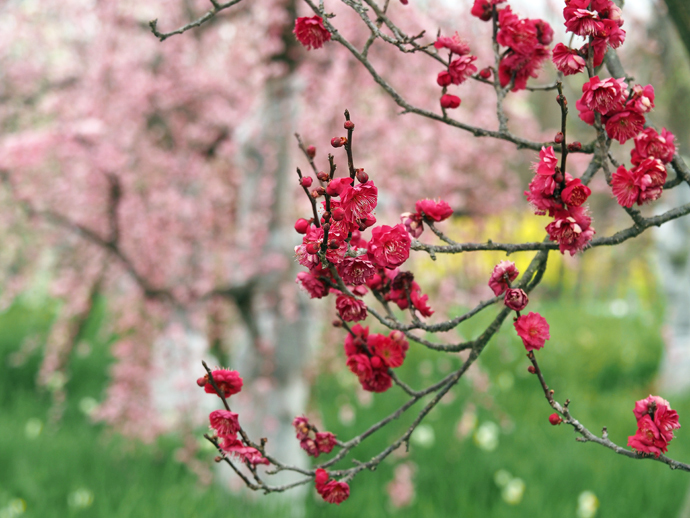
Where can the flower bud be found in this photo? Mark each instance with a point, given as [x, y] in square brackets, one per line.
[326, 227]
[337, 323]
[450, 101]
[202, 381]
[338, 214]
[349, 125]
[306, 181]
[301, 226]
[311, 151]
[575, 146]
[516, 299]
[485, 73]
[558, 138]
[531, 369]
[561, 99]
[362, 177]
[334, 244]
[338, 141]
[376, 362]
[217, 458]
[319, 191]
[443, 78]
[312, 248]
[323, 177]
[555, 419]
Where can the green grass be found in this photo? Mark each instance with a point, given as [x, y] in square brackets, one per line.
[602, 362]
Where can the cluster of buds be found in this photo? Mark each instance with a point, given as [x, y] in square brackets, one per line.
[311, 440]
[458, 70]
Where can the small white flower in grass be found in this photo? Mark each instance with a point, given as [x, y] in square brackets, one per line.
[513, 491]
[486, 436]
[587, 505]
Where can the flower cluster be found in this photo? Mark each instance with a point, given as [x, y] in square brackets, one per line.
[331, 491]
[311, 32]
[562, 197]
[458, 70]
[224, 422]
[310, 439]
[532, 328]
[526, 41]
[400, 288]
[433, 210]
[645, 181]
[370, 356]
[655, 424]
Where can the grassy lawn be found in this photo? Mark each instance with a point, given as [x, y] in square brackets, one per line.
[488, 450]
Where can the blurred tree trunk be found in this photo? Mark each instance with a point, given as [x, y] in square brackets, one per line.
[679, 13]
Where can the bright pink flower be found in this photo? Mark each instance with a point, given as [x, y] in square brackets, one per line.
[504, 269]
[648, 143]
[338, 185]
[420, 302]
[482, 8]
[359, 201]
[379, 380]
[516, 299]
[311, 32]
[522, 66]
[312, 285]
[309, 445]
[443, 78]
[453, 43]
[575, 193]
[449, 101]
[533, 329]
[622, 126]
[555, 419]
[436, 210]
[389, 247]
[581, 21]
[301, 226]
[325, 441]
[391, 351]
[605, 96]
[360, 366]
[320, 479]
[611, 32]
[648, 438]
[356, 340]
[540, 195]
[224, 422]
[644, 406]
[544, 31]
[412, 223]
[335, 492]
[624, 188]
[568, 60]
[547, 162]
[520, 35]
[642, 99]
[302, 427]
[350, 309]
[249, 454]
[356, 270]
[585, 114]
[228, 382]
[571, 229]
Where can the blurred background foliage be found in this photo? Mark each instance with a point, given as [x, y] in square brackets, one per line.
[487, 450]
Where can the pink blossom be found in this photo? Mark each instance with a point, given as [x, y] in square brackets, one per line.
[311, 32]
[622, 126]
[482, 8]
[320, 479]
[624, 187]
[309, 445]
[249, 454]
[312, 285]
[335, 492]
[356, 340]
[436, 210]
[581, 21]
[504, 269]
[648, 438]
[533, 329]
[604, 96]
[585, 114]
[350, 309]
[338, 185]
[224, 422]
[541, 195]
[389, 247]
[544, 31]
[356, 270]
[325, 441]
[516, 299]
[359, 201]
[642, 99]
[567, 60]
[228, 382]
[612, 33]
[412, 223]
[449, 101]
[575, 193]
[644, 406]
[571, 229]
[648, 143]
[520, 35]
[547, 162]
[522, 66]
[453, 43]
[302, 427]
[360, 365]
[391, 351]
[420, 302]
[379, 380]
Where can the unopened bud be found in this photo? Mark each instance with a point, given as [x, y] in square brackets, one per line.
[202, 381]
[560, 99]
[349, 125]
[218, 458]
[362, 176]
[325, 216]
[444, 79]
[555, 419]
[531, 369]
[337, 323]
[558, 138]
[311, 151]
[334, 244]
[306, 181]
[323, 177]
[338, 141]
[326, 227]
[485, 73]
[312, 248]
[301, 226]
[558, 177]
[575, 146]
[338, 214]
[319, 191]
